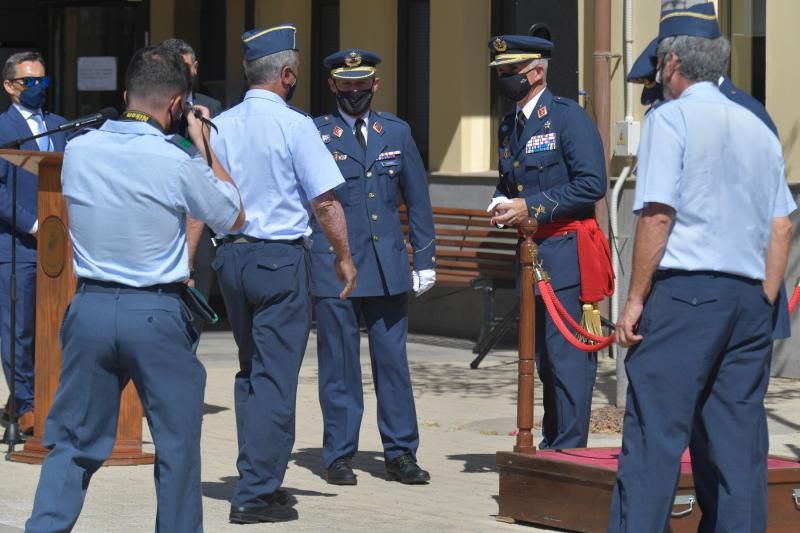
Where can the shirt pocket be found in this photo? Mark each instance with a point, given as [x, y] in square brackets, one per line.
[351, 191]
[388, 173]
[545, 169]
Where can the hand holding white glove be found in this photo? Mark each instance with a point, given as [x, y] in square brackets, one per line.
[497, 200]
[423, 280]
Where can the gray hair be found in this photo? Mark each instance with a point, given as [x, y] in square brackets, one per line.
[180, 47]
[699, 59]
[267, 69]
[544, 62]
[10, 67]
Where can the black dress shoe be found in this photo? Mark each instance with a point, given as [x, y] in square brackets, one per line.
[274, 512]
[405, 470]
[340, 473]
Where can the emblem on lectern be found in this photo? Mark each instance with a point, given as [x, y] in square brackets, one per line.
[52, 237]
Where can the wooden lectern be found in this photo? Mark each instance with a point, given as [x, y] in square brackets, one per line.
[55, 286]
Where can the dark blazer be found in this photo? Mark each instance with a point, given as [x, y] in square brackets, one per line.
[558, 166]
[374, 183]
[214, 106]
[13, 126]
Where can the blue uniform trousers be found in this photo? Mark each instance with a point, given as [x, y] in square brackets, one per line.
[110, 336]
[25, 326]
[567, 376]
[697, 379]
[340, 392]
[266, 291]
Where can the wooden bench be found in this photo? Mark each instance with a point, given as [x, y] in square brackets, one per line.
[471, 253]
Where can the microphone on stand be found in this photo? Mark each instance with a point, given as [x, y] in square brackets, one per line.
[108, 113]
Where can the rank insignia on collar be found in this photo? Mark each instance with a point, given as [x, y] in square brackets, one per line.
[500, 45]
[541, 112]
[326, 138]
[377, 127]
[538, 210]
[337, 132]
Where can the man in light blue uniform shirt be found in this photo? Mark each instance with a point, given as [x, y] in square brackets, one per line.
[129, 189]
[283, 170]
[709, 257]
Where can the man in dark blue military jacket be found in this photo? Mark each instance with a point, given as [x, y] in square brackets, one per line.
[552, 168]
[381, 165]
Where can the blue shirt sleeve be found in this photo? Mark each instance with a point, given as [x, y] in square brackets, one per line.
[201, 195]
[315, 169]
[660, 159]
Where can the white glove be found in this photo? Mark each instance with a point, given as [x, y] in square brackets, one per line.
[423, 280]
[497, 200]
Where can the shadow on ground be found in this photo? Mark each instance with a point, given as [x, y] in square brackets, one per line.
[224, 488]
[476, 463]
[369, 462]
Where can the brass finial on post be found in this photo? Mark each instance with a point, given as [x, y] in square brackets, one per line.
[528, 256]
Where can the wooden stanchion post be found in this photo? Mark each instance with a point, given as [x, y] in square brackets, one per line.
[527, 339]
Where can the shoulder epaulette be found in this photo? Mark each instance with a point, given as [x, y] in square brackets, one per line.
[388, 116]
[293, 108]
[183, 143]
[322, 120]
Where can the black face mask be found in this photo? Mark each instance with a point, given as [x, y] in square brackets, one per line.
[355, 103]
[290, 91]
[515, 86]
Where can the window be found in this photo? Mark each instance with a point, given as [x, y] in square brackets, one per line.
[413, 69]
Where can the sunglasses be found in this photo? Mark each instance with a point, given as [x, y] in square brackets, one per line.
[33, 81]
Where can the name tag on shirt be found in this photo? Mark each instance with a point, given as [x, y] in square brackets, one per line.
[389, 155]
[541, 143]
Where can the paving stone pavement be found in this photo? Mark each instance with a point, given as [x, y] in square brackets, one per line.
[465, 417]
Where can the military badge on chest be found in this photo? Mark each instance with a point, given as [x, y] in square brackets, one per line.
[541, 143]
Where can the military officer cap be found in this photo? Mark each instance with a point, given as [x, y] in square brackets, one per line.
[508, 49]
[260, 43]
[697, 21]
[352, 64]
[644, 72]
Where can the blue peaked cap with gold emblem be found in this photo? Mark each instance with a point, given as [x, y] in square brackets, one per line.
[697, 21]
[260, 43]
[352, 64]
[644, 71]
[508, 49]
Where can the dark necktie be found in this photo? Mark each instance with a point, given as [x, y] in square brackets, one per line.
[521, 120]
[360, 135]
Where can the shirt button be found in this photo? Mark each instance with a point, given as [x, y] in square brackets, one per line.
[516, 164]
[374, 217]
[375, 238]
[520, 188]
[330, 248]
[371, 196]
[369, 174]
[391, 172]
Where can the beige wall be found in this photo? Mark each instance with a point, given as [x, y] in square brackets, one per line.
[460, 127]
[162, 21]
[783, 78]
[379, 35]
[234, 28]
[275, 12]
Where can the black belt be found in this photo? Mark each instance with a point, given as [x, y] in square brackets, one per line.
[674, 272]
[93, 285]
[246, 239]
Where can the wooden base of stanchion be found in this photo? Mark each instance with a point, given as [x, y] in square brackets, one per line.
[571, 490]
[124, 454]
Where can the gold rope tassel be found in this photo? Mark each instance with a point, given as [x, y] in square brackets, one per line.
[590, 321]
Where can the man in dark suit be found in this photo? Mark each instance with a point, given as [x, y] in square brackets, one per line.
[200, 257]
[25, 82]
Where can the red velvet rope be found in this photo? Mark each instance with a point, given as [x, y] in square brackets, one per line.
[794, 300]
[549, 298]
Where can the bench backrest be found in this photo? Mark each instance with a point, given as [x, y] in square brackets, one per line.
[467, 247]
